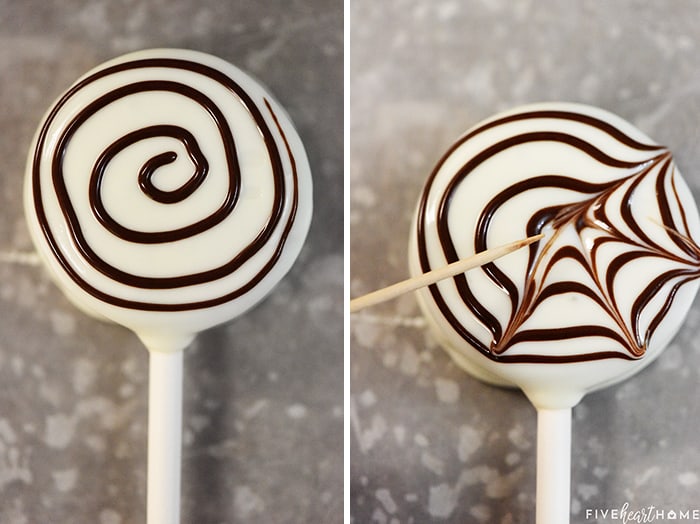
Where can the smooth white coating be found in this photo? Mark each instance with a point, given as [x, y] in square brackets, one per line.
[128, 205]
[553, 385]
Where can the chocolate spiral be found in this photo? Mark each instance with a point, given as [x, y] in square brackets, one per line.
[125, 92]
[596, 231]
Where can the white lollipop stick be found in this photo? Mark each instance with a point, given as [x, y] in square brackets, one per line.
[164, 437]
[553, 465]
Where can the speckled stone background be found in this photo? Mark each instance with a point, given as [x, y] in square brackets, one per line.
[263, 420]
[428, 442]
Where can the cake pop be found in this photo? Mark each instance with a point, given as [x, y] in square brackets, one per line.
[167, 191]
[594, 301]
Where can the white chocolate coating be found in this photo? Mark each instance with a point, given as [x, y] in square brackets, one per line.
[607, 288]
[167, 191]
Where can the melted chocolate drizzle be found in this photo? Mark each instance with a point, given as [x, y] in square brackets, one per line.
[587, 213]
[144, 178]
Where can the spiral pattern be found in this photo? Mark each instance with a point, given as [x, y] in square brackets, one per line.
[618, 220]
[167, 181]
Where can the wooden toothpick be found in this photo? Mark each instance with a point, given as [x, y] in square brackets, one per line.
[461, 266]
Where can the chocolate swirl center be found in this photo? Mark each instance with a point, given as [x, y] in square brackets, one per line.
[148, 171]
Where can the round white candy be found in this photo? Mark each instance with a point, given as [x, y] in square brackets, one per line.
[602, 294]
[167, 191]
